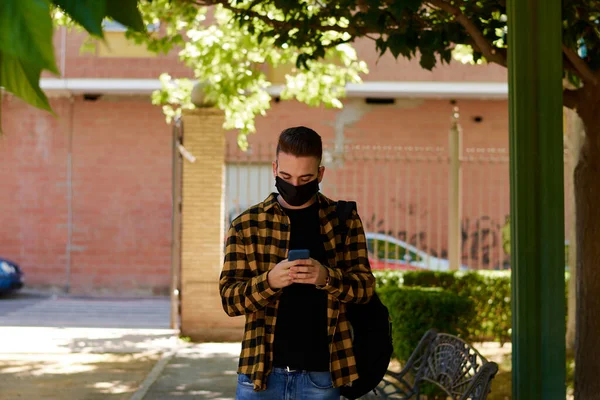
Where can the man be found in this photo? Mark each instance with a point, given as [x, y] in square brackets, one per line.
[297, 342]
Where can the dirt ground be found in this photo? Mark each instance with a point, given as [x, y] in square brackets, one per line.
[73, 376]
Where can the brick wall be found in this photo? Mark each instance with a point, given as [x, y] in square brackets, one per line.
[33, 174]
[122, 197]
[202, 316]
[121, 179]
[120, 202]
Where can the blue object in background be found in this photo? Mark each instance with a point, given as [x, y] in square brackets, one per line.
[11, 276]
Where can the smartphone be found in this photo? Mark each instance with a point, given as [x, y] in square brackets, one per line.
[303, 254]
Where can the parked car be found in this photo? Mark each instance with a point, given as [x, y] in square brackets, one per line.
[387, 252]
[11, 276]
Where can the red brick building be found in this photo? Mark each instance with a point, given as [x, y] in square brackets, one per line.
[87, 195]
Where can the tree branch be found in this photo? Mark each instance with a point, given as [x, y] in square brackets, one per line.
[490, 53]
[581, 67]
[501, 51]
[571, 98]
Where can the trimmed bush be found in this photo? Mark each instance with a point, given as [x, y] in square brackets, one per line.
[488, 290]
[416, 310]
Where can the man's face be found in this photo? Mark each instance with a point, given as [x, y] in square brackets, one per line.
[297, 170]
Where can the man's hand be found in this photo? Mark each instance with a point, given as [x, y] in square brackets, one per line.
[309, 271]
[279, 277]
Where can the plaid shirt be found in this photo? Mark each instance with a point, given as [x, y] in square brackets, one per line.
[259, 239]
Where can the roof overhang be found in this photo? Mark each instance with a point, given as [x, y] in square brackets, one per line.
[417, 89]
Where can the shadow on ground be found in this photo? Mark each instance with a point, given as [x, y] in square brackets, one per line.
[73, 376]
[207, 371]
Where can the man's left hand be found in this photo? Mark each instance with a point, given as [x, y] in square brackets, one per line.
[309, 271]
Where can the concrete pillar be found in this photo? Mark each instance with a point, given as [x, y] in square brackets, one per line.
[202, 234]
[455, 193]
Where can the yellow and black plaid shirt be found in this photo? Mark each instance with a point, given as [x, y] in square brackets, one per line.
[259, 239]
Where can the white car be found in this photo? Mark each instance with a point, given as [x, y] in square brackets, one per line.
[387, 252]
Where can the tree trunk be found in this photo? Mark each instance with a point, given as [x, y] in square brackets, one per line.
[574, 139]
[587, 195]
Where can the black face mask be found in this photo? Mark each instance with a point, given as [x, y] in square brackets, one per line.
[296, 195]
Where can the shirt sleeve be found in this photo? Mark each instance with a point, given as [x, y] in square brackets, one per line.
[355, 283]
[242, 292]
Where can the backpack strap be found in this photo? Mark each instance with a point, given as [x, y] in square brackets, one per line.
[344, 210]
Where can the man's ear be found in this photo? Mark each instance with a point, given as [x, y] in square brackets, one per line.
[321, 173]
[274, 169]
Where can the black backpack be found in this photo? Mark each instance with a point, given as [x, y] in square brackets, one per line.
[372, 342]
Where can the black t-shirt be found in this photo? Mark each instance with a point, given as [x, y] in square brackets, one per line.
[301, 330]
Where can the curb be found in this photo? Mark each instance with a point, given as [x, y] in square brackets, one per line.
[155, 373]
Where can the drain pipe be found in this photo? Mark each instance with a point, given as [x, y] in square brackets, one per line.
[71, 99]
[69, 193]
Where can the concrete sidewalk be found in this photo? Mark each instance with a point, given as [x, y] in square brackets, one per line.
[71, 348]
[79, 363]
[124, 364]
[196, 371]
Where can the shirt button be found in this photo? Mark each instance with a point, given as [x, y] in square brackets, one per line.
[284, 226]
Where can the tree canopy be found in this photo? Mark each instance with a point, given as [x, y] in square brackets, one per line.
[230, 44]
[231, 58]
[234, 60]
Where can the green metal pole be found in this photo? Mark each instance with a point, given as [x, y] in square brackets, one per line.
[537, 205]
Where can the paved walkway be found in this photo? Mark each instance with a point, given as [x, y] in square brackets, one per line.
[200, 371]
[70, 348]
[79, 363]
[29, 308]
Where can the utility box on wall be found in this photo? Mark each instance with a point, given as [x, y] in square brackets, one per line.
[202, 230]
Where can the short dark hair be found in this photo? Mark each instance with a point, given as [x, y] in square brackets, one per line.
[300, 141]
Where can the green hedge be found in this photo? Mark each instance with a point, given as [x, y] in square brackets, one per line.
[416, 310]
[490, 292]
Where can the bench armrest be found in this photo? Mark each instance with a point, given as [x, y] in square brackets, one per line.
[481, 383]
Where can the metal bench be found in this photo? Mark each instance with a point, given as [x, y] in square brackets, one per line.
[445, 361]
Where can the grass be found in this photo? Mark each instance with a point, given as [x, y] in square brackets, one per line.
[502, 383]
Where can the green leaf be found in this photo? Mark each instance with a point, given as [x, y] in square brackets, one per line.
[26, 32]
[401, 8]
[127, 13]
[22, 80]
[302, 61]
[446, 55]
[397, 45]
[381, 45]
[428, 60]
[397, 8]
[371, 18]
[87, 13]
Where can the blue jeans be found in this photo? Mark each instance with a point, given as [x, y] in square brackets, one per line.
[295, 385]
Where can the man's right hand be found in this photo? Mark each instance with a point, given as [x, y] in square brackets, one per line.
[279, 277]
